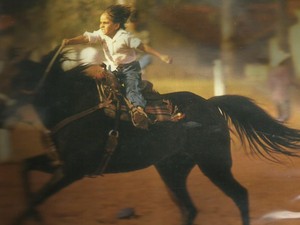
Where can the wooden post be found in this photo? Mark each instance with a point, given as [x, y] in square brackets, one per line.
[5, 148]
[227, 37]
[219, 84]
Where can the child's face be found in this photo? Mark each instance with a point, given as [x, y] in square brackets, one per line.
[107, 26]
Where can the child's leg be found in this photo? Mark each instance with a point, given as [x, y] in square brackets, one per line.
[132, 81]
[131, 77]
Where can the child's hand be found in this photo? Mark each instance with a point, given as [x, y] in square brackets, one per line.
[166, 59]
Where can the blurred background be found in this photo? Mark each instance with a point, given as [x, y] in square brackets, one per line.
[222, 38]
[218, 46]
[245, 35]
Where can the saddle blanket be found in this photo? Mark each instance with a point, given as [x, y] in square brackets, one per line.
[163, 111]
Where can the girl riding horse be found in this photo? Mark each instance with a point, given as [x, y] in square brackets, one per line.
[119, 49]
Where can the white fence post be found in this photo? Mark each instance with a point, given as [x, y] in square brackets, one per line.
[219, 84]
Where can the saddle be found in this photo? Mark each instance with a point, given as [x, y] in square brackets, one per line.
[157, 109]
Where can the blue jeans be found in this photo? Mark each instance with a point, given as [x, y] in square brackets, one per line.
[130, 75]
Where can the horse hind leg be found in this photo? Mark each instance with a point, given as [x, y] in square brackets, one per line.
[215, 162]
[229, 185]
[174, 172]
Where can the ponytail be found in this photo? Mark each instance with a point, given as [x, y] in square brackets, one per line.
[119, 14]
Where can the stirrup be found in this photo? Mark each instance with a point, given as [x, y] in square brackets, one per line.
[139, 118]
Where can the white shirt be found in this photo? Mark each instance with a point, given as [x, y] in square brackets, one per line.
[117, 50]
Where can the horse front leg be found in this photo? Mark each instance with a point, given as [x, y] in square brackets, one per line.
[28, 194]
[57, 181]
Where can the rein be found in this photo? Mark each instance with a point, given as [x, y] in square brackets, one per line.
[77, 116]
[41, 82]
[113, 135]
[110, 147]
[46, 73]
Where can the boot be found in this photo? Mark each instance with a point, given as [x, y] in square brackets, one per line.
[139, 118]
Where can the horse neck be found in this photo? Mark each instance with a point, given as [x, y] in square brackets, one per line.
[65, 95]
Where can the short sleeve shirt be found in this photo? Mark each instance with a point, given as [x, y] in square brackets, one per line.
[117, 50]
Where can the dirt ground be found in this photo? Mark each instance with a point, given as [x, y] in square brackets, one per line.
[272, 187]
[93, 201]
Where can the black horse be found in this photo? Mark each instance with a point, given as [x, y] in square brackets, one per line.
[201, 139]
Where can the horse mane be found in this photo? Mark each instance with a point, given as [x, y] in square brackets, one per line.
[62, 92]
[61, 58]
[30, 73]
[74, 76]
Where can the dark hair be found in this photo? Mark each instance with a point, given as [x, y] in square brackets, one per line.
[119, 14]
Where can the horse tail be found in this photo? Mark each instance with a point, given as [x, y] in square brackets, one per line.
[264, 134]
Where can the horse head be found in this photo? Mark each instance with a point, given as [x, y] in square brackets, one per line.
[21, 74]
[54, 92]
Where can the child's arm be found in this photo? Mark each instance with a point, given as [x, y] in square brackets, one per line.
[76, 40]
[152, 51]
